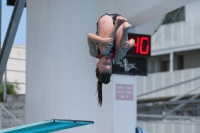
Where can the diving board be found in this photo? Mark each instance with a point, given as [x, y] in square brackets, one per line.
[47, 126]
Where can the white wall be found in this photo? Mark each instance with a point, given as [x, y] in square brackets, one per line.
[192, 11]
[139, 12]
[117, 115]
[125, 111]
[61, 80]
[60, 72]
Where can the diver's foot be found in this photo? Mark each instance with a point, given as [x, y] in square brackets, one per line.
[120, 20]
[126, 26]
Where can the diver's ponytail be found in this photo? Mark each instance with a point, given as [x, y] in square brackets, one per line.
[102, 78]
[99, 92]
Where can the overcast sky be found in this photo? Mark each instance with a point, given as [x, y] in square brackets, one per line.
[20, 38]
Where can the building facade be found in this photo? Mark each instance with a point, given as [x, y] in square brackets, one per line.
[168, 97]
[16, 68]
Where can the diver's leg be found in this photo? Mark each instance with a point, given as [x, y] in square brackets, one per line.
[106, 29]
[123, 44]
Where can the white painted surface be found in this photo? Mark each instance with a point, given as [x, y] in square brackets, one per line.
[117, 116]
[124, 111]
[138, 12]
[61, 80]
[150, 27]
[192, 10]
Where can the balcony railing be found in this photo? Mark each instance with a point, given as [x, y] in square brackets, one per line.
[176, 35]
[160, 80]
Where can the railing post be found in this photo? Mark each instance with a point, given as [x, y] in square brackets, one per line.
[171, 61]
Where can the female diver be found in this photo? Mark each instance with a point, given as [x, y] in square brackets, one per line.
[110, 43]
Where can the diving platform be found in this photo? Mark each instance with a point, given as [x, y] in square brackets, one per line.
[47, 126]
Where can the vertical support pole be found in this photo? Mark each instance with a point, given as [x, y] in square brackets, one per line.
[171, 61]
[10, 35]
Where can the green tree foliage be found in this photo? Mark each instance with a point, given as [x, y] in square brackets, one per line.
[10, 89]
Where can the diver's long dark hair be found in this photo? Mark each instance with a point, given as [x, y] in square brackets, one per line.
[102, 78]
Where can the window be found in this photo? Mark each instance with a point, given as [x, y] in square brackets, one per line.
[178, 17]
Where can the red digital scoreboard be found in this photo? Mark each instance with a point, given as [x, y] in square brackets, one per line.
[142, 46]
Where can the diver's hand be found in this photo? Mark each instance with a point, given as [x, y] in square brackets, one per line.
[108, 42]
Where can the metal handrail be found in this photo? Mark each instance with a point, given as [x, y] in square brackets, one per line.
[181, 105]
[185, 94]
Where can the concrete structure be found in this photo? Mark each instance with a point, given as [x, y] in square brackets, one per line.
[119, 106]
[66, 86]
[175, 59]
[176, 39]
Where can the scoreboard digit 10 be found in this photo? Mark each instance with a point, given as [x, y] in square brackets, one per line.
[142, 46]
